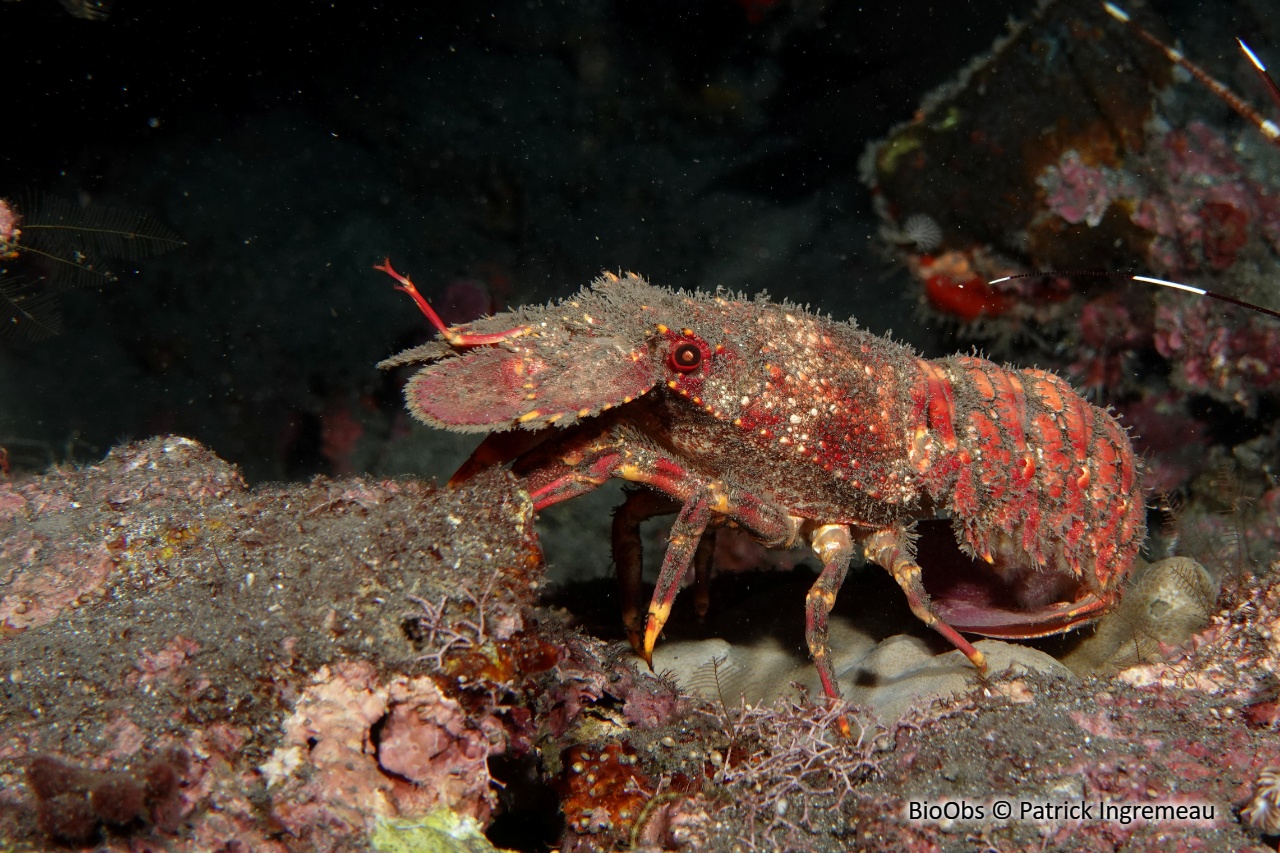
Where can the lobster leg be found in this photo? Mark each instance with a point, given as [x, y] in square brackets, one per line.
[640, 504]
[767, 522]
[702, 574]
[686, 533]
[834, 547]
[888, 548]
[557, 471]
[498, 448]
[581, 461]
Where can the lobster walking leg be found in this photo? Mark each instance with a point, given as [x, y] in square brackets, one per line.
[834, 547]
[686, 533]
[888, 548]
[702, 574]
[581, 461]
[639, 506]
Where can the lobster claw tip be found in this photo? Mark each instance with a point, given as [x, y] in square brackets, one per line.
[652, 628]
[645, 653]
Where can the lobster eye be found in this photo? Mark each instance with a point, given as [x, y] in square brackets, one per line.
[685, 358]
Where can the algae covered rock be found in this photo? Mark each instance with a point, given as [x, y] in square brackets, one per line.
[442, 831]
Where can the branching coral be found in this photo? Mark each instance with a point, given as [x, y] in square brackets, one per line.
[787, 768]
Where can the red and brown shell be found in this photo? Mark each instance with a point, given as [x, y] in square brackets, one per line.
[828, 422]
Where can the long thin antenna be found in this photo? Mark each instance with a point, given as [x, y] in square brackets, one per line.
[1200, 291]
[1268, 127]
[1176, 285]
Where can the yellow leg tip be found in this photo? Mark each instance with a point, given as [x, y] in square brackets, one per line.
[651, 632]
[653, 622]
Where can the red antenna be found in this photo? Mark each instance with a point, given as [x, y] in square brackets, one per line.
[450, 334]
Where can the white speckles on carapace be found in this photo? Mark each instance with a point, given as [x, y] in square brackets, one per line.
[795, 419]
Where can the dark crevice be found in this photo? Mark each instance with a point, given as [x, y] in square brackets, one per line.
[529, 816]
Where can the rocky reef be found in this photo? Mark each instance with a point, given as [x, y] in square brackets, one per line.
[190, 664]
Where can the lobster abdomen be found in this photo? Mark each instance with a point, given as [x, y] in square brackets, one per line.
[1032, 473]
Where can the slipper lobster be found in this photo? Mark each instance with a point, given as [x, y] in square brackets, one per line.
[796, 427]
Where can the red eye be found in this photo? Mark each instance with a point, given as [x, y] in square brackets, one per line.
[685, 357]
